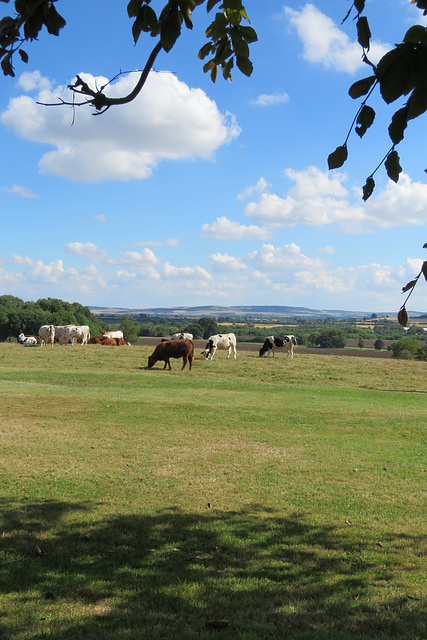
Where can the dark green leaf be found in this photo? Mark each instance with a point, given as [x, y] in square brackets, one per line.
[214, 73]
[205, 51]
[364, 120]
[392, 166]
[7, 67]
[211, 4]
[24, 55]
[417, 103]
[248, 34]
[363, 32]
[415, 34]
[337, 158]
[170, 30]
[368, 188]
[240, 46]
[136, 31]
[360, 5]
[398, 125]
[133, 8]
[408, 286]
[395, 72]
[54, 22]
[402, 317]
[361, 87]
[244, 65]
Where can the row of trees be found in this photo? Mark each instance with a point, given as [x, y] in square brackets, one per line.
[17, 316]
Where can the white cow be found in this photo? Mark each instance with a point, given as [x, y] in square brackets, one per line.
[182, 336]
[220, 341]
[279, 343]
[112, 334]
[27, 341]
[47, 334]
[75, 333]
[59, 331]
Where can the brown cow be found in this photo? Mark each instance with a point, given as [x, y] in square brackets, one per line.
[173, 349]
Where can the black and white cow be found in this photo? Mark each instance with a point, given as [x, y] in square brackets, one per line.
[279, 343]
[220, 341]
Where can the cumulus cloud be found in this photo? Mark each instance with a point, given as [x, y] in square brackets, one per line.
[271, 99]
[261, 186]
[168, 120]
[322, 198]
[324, 43]
[223, 262]
[19, 190]
[196, 273]
[88, 250]
[225, 229]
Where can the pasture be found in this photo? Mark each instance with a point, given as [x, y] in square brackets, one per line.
[281, 499]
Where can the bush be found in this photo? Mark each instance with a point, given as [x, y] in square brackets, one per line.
[379, 344]
[331, 339]
[409, 345]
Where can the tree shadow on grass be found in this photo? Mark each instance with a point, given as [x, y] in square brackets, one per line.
[165, 575]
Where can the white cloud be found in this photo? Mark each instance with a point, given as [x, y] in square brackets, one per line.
[225, 263]
[269, 100]
[31, 80]
[88, 250]
[197, 273]
[19, 190]
[261, 186]
[101, 218]
[328, 250]
[225, 229]
[324, 43]
[168, 120]
[321, 198]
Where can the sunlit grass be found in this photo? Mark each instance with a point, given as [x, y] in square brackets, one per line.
[287, 497]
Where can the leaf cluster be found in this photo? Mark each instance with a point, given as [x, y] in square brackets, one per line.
[25, 25]
[400, 73]
[402, 316]
[228, 39]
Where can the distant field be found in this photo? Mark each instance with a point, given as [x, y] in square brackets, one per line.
[285, 498]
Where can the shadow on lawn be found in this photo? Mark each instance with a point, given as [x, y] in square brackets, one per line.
[164, 576]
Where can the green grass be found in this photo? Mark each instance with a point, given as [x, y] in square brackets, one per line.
[287, 497]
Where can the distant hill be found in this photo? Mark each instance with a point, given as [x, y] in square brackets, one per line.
[252, 312]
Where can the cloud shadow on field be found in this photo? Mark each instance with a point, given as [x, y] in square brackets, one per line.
[165, 575]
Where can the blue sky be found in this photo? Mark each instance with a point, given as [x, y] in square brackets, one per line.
[209, 194]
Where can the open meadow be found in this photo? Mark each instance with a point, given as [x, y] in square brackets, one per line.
[270, 498]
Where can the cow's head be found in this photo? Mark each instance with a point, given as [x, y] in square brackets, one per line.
[151, 361]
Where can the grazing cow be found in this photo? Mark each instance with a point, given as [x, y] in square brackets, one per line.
[47, 334]
[182, 336]
[220, 341]
[28, 341]
[173, 349]
[112, 334]
[276, 343]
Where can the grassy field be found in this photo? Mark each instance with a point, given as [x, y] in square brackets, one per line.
[285, 498]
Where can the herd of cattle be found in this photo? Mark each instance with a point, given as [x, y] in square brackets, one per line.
[70, 333]
[179, 346]
[183, 347]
